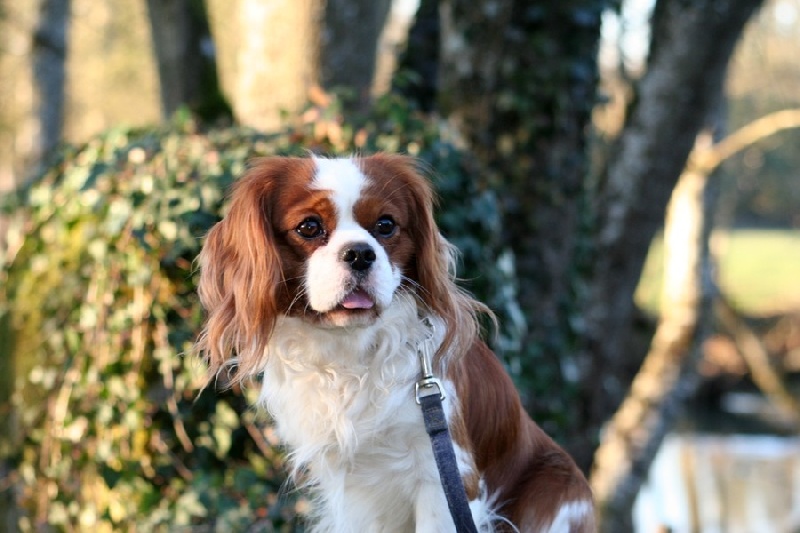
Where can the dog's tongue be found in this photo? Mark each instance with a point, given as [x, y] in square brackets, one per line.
[358, 299]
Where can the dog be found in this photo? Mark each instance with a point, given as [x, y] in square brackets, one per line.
[323, 280]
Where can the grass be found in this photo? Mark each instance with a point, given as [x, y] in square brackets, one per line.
[759, 270]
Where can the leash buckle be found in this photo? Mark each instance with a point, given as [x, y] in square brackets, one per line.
[427, 381]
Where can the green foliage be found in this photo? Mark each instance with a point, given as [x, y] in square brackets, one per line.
[102, 294]
[113, 433]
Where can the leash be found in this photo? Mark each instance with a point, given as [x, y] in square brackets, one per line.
[429, 393]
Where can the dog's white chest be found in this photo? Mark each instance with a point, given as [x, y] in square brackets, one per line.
[340, 411]
[355, 432]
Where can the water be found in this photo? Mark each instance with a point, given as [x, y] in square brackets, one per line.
[731, 470]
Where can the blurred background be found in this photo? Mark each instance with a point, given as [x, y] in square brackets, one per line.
[620, 175]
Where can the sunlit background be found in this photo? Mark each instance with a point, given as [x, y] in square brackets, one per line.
[729, 463]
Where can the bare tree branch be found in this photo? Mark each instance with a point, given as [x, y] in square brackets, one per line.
[691, 46]
[669, 373]
[752, 350]
[708, 160]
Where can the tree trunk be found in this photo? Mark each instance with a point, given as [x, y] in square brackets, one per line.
[691, 46]
[421, 58]
[669, 374]
[111, 76]
[518, 81]
[349, 57]
[49, 71]
[269, 56]
[186, 67]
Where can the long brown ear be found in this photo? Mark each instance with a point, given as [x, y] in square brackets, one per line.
[240, 274]
[435, 261]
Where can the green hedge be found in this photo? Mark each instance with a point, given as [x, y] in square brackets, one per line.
[112, 433]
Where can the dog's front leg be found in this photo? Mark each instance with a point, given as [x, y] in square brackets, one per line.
[432, 514]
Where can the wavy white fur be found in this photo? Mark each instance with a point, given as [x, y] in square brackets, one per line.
[343, 400]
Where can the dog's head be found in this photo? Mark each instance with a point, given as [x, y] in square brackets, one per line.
[333, 242]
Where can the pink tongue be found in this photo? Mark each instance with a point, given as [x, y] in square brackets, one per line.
[358, 299]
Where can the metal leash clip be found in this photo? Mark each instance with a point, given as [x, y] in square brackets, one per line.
[425, 351]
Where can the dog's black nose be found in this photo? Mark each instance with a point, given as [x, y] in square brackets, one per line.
[359, 256]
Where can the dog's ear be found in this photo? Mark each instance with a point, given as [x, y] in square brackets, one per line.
[240, 276]
[434, 264]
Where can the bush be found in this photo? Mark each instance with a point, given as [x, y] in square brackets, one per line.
[112, 431]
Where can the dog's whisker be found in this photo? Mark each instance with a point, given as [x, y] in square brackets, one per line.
[300, 294]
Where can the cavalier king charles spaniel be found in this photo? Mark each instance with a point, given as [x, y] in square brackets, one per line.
[324, 279]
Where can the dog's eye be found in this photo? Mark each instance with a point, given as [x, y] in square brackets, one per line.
[310, 228]
[385, 227]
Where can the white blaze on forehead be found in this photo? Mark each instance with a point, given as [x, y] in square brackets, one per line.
[328, 278]
[344, 179]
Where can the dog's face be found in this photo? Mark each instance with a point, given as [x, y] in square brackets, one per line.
[333, 242]
[344, 238]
